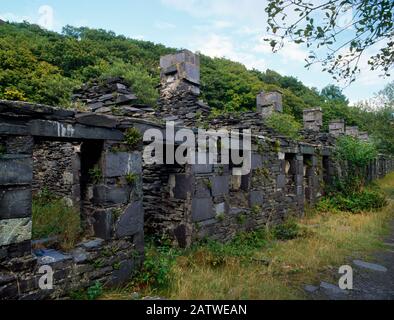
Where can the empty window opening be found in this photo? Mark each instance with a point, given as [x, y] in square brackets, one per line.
[56, 194]
[291, 173]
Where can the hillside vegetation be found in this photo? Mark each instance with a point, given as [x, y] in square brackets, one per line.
[45, 67]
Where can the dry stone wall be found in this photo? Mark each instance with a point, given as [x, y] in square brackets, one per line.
[83, 157]
[61, 147]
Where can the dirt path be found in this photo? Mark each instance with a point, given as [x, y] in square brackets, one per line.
[372, 279]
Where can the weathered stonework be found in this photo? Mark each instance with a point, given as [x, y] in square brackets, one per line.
[352, 131]
[337, 127]
[55, 150]
[268, 103]
[313, 119]
[124, 197]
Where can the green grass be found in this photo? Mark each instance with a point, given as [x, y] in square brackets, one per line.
[259, 265]
[52, 217]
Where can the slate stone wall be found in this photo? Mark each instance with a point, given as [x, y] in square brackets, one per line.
[56, 168]
[109, 263]
[111, 203]
[119, 195]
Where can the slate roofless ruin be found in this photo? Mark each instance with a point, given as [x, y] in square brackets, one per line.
[51, 148]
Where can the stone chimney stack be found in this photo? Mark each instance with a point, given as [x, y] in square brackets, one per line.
[364, 136]
[268, 103]
[180, 88]
[181, 68]
[313, 119]
[352, 131]
[337, 127]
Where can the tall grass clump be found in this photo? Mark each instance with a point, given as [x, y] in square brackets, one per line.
[52, 217]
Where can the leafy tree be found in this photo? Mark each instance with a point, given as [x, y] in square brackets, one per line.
[345, 29]
[334, 93]
[388, 94]
[285, 124]
[38, 65]
[357, 154]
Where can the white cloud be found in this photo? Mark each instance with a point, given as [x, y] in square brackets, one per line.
[221, 24]
[138, 37]
[293, 52]
[8, 16]
[46, 17]
[164, 25]
[250, 10]
[219, 46]
[262, 47]
[290, 52]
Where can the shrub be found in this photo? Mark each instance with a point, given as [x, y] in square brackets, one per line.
[131, 178]
[287, 231]
[284, 124]
[52, 217]
[156, 271]
[95, 291]
[13, 94]
[243, 245]
[132, 137]
[357, 155]
[365, 200]
[95, 175]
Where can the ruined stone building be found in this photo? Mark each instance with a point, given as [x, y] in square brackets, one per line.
[57, 150]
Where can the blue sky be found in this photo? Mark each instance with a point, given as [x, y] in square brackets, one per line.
[230, 28]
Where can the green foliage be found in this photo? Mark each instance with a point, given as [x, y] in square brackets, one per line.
[95, 175]
[284, 124]
[244, 246]
[52, 217]
[95, 291]
[319, 26]
[43, 66]
[13, 94]
[141, 82]
[256, 210]
[220, 217]
[241, 219]
[132, 137]
[356, 152]
[131, 178]
[158, 262]
[357, 155]
[287, 231]
[365, 200]
[334, 93]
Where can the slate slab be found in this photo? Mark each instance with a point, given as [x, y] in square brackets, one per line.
[14, 231]
[122, 163]
[123, 273]
[220, 185]
[16, 169]
[103, 222]
[110, 195]
[46, 128]
[15, 203]
[202, 209]
[131, 222]
[99, 120]
[50, 256]
[333, 291]
[92, 244]
[370, 266]
[184, 185]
